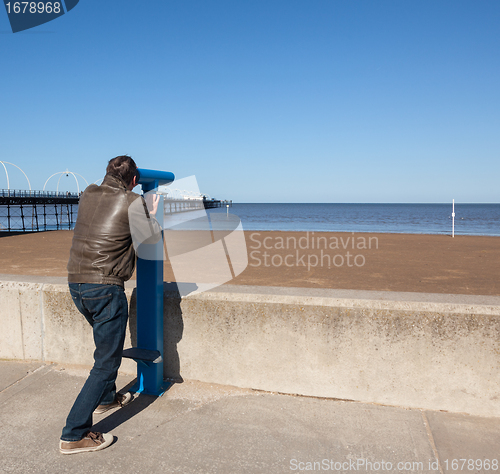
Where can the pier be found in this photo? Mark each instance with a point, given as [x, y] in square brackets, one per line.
[214, 203]
[173, 206]
[38, 211]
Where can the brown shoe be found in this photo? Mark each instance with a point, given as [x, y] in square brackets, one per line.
[92, 441]
[120, 401]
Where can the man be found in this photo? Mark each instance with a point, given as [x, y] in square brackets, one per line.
[102, 257]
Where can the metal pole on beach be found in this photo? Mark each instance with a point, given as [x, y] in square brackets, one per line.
[453, 219]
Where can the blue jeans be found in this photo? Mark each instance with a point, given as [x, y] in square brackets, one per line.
[106, 309]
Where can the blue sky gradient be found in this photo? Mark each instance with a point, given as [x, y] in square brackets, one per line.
[264, 101]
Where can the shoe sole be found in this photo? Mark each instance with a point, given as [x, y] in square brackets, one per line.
[108, 439]
[111, 406]
[104, 410]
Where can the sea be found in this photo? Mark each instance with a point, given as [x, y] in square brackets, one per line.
[470, 219]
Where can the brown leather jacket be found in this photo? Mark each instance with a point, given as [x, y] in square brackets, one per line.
[102, 250]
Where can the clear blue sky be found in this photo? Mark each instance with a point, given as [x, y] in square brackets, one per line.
[263, 100]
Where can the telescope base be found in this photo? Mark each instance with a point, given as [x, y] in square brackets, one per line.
[138, 388]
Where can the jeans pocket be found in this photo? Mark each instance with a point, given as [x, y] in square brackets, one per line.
[99, 307]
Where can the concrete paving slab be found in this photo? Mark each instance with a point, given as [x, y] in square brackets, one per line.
[277, 433]
[13, 371]
[206, 428]
[464, 442]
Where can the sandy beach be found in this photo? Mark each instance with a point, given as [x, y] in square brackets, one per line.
[360, 261]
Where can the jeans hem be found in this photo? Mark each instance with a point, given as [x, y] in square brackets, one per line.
[71, 440]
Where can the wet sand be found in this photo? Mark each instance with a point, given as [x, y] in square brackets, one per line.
[360, 261]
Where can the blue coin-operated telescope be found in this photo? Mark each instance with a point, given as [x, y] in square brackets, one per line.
[149, 351]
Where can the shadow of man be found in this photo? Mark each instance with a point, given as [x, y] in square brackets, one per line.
[173, 327]
[138, 404]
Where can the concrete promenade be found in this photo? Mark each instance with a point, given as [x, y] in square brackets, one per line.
[414, 350]
[205, 428]
[270, 375]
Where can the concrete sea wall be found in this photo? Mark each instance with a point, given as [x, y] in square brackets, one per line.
[415, 350]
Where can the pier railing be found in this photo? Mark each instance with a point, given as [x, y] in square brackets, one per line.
[22, 193]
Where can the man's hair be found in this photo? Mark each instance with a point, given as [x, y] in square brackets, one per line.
[122, 167]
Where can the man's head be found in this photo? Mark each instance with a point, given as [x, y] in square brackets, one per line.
[125, 168]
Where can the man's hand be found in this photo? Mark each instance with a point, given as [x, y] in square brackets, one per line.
[152, 201]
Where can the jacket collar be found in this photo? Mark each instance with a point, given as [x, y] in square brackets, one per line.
[113, 181]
